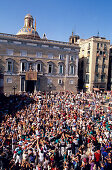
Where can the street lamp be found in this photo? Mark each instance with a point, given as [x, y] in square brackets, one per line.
[14, 88]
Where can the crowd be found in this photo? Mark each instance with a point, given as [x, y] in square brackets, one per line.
[60, 131]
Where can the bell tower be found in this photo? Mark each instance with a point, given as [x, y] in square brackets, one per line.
[73, 38]
[28, 21]
[28, 31]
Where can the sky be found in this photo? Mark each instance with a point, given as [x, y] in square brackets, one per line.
[58, 18]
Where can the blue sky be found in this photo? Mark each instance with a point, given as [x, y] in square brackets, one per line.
[58, 18]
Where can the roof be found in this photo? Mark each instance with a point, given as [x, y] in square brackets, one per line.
[28, 16]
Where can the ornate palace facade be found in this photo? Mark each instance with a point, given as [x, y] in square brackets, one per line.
[29, 63]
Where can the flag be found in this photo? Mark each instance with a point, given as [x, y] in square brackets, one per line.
[35, 24]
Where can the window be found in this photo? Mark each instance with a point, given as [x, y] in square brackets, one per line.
[104, 53]
[59, 81]
[61, 57]
[45, 46]
[96, 69]
[101, 45]
[103, 68]
[24, 43]
[102, 78]
[23, 53]
[72, 69]
[97, 60]
[103, 60]
[3, 41]
[105, 46]
[89, 46]
[49, 81]
[87, 78]
[10, 66]
[97, 52]
[72, 40]
[39, 54]
[97, 45]
[72, 58]
[100, 52]
[23, 66]
[39, 66]
[71, 82]
[60, 69]
[9, 80]
[10, 41]
[16, 42]
[50, 56]
[9, 52]
[87, 68]
[31, 66]
[96, 78]
[50, 68]
[87, 60]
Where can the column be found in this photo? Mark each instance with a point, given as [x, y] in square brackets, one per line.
[24, 86]
[20, 83]
[76, 72]
[21, 67]
[35, 89]
[67, 63]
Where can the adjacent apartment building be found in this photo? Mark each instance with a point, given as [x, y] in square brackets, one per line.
[29, 63]
[109, 86]
[93, 63]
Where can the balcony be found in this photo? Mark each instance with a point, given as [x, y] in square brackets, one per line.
[103, 81]
[40, 73]
[98, 48]
[103, 72]
[96, 72]
[105, 48]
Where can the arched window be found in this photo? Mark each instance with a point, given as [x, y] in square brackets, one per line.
[24, 65]
[72, 70]
[50, 67]
[61, 68]
[71, 58]
[39, 66]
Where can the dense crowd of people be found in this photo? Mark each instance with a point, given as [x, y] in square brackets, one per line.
[60, 131]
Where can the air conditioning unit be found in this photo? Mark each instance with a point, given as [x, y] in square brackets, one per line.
[59, 81]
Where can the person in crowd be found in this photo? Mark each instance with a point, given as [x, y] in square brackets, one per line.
[56, 131]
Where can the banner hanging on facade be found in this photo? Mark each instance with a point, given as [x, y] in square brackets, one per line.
[31, 75]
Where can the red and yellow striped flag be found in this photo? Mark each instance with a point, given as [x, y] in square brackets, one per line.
[35, 24]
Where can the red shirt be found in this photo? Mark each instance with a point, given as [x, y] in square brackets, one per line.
[97, 156]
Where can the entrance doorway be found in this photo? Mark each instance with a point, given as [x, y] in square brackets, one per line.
[30, 86]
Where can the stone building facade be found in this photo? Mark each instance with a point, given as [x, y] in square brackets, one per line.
[110, 70]
[93, 63]
[29, 63]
